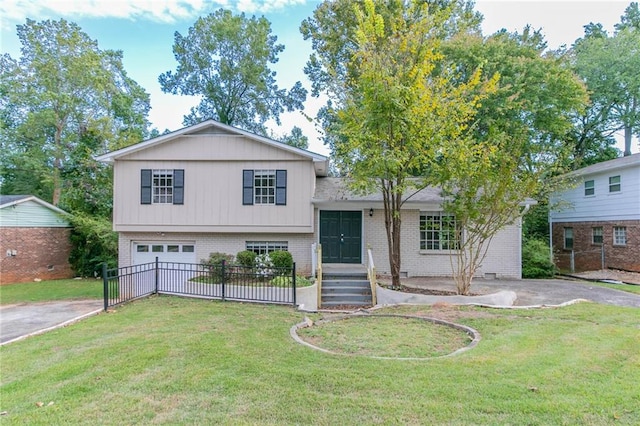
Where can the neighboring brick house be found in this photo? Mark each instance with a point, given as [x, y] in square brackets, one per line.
[596, 224]
[34, 240]
[215, 188]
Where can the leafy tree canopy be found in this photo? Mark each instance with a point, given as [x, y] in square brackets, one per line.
[609, 67]
[63, 101]
[226, 59]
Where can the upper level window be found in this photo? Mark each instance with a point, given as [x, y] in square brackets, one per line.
[589, 187]
[264, 187]
[568, 238]
[614, 183]
[619, 236]
[439, 231]
[162, 186]
[596, 234]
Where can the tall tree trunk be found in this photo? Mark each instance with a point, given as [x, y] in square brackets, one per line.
[393, 225]
[627, 140]
[57, 164]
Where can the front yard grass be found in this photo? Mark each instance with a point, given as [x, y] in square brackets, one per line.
[629, 288]
[168, 360]
[45, 291]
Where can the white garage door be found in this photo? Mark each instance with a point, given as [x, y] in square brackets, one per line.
[146, 252]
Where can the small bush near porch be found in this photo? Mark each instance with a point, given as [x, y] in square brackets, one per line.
[168, 360]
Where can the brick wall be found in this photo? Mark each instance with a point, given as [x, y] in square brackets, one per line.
[588, 256]
[40, 253]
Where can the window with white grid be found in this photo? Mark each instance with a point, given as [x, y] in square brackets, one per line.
[439, 231]
[162, 186]
[619, 236]
[264, 186]
[596, 235]
[263, 247]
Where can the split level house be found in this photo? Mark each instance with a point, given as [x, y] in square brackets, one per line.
[215, 188]
[595, 223]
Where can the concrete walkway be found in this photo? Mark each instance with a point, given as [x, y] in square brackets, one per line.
[536, 292]
[26, 319]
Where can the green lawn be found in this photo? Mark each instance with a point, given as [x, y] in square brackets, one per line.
[168, 360]
[630, 288]
[51, 290]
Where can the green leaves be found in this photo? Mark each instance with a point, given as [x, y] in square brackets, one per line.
[609, 66]
[62, 88]
[226, 59]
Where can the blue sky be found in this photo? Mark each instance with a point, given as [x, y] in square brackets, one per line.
[144, 31]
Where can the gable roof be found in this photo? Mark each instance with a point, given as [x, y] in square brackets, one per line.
[12, 200]
[610, 165]
[321, 163]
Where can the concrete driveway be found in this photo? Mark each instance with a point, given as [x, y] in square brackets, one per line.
[25, 319]
[537, 292]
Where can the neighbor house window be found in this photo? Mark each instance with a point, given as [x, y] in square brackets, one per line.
[263, 247]
[619, 236]
[589, 188]
[568, 238]
[439, 231]
[162, 186]
[596, 234]
[264, 187]
[614, 183]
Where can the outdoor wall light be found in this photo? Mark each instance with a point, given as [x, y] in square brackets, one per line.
[370, 212]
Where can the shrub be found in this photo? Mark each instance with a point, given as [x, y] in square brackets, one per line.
[281, 259]
[93, 243]
[246, 258]
[286, 281]
[214, 265]
[536, 262]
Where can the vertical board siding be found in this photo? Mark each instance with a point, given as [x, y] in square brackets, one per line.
[213, 195]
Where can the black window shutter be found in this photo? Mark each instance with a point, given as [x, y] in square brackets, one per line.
[178, 186]
[145, 186]
[281, 187]
[247, 187]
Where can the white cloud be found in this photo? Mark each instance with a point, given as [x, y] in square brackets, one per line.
[16, 11]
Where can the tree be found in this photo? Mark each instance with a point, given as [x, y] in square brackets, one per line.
[517, 143]
[225, 59]
[64, 99]
[296, 138]
[609, 66]
[398, 106]
[332, 29]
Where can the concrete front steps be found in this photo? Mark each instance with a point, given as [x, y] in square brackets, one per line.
[345, 285]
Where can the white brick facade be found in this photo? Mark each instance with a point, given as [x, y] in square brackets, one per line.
[503, 258]
[502, 261]
[299, 245]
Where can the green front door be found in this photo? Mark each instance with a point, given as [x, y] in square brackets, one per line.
[341, 236]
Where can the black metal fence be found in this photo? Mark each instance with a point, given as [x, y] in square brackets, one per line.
[224, 282]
